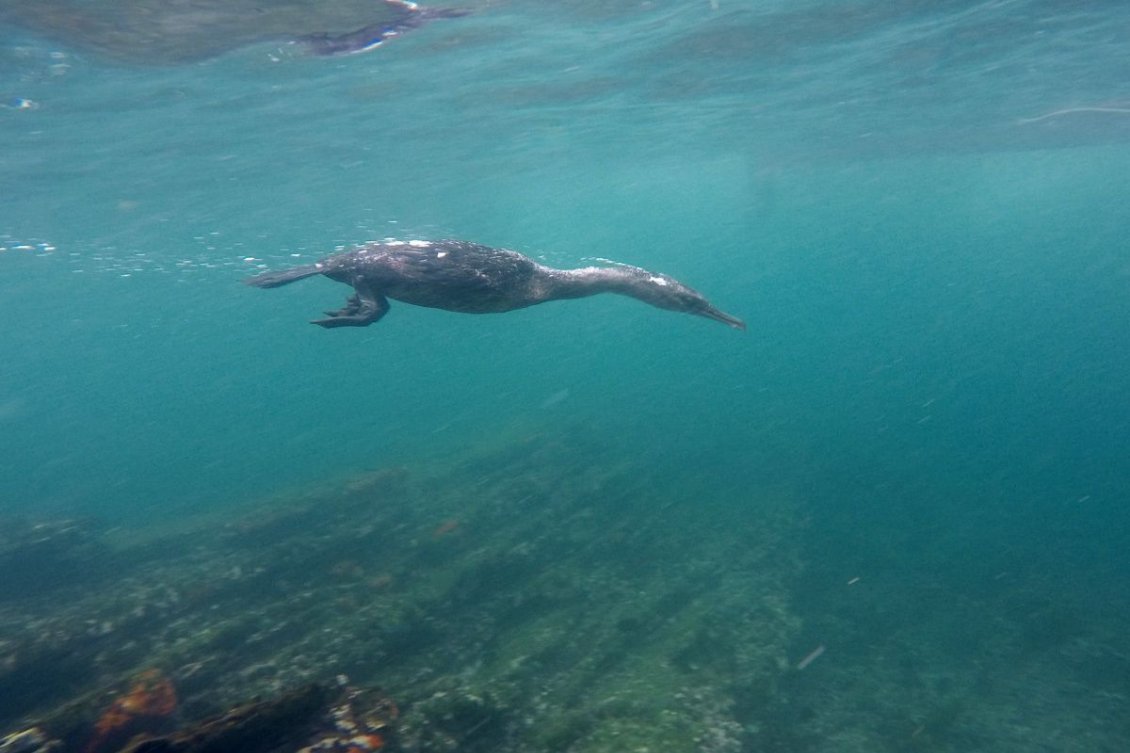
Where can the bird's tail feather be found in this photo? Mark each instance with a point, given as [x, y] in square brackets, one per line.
[274, 279]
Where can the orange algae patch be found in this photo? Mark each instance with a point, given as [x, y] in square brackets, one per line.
[365, 744]
[152, 694]
[446, 527]
[384, 580]
[151, 698]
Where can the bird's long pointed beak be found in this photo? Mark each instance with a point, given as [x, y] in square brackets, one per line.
[721, 316]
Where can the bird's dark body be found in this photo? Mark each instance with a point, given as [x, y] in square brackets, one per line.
[471, 278]
[452, 275]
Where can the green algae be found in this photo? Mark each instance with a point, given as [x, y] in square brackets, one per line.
[523, 596]
[536, 595]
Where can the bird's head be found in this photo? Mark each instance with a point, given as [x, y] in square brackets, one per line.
[668, 293]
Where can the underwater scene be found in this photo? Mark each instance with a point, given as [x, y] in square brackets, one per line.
[685, 376]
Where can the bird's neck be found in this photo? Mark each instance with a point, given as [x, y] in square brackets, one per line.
[579, 283]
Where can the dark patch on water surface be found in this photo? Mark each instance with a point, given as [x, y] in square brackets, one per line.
[42, 673]
[37, 557]
[170, 32]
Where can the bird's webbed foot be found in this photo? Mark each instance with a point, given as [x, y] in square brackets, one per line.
[352, 306]
[360, 310]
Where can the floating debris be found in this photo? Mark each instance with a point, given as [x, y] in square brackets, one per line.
[812, 656]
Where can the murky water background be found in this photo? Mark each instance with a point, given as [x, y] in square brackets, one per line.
[918, 208]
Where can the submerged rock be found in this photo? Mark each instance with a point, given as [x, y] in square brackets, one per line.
[529, 597]
[261, 726]
[313, 719]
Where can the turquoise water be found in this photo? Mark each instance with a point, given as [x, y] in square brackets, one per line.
[918, 208]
